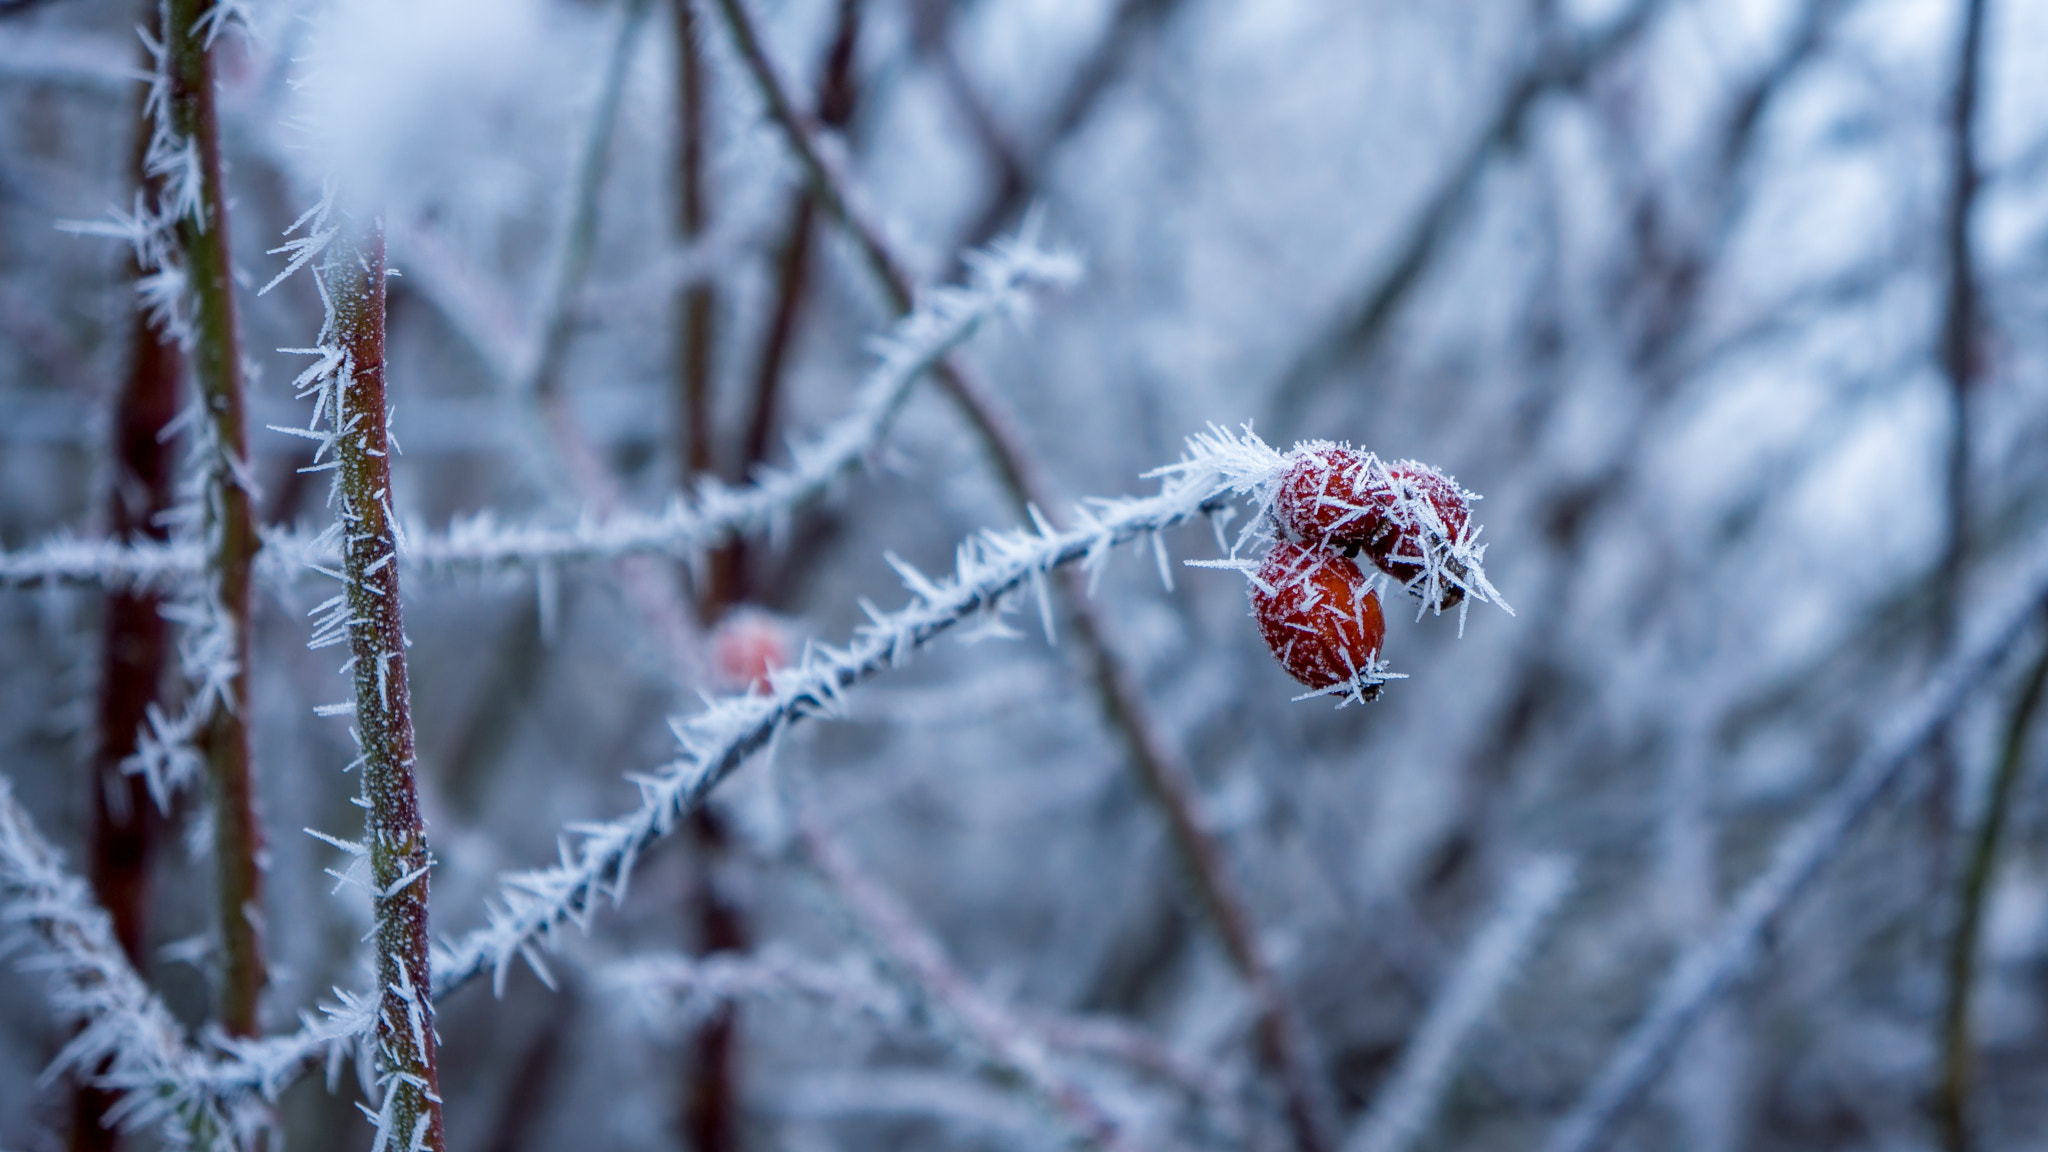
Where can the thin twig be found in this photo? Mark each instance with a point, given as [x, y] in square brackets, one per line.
[1952, 1094]
[1740, 944]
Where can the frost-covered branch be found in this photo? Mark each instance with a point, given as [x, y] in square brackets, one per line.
[671, 992]
[1740, 944]
[66, 561]
[1000, 282]
[715, 742]
[1401, 1113]
[124, 1030]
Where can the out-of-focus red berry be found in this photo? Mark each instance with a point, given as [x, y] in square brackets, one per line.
[746, 646]
[1317, 615]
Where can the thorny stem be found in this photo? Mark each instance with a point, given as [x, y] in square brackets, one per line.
[216, 358]
[1952, 1096]
[1283, 1040]
[354, 278]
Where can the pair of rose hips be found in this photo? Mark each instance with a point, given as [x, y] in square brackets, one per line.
[1313, 604]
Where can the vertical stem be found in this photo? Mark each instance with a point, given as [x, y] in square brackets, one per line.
[1952, 1095]
[135, 646]
[354, 276]
[216, 358]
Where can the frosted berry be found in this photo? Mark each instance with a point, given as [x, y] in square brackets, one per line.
[1317, 615]
[1333, 496]
[1426, 510]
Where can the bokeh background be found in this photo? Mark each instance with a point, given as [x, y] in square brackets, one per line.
[1733, 313]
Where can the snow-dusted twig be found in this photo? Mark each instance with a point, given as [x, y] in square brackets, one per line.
[1405, 1105]
[124, 1030]
[669, 991]
[1740, 944]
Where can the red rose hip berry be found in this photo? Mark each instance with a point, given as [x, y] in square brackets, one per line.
[1426, 511]
[1317, 615]
[1333, 496]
